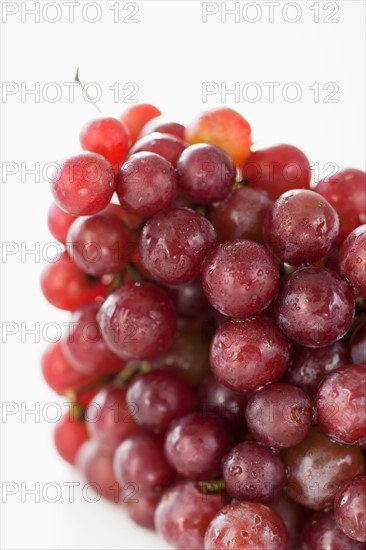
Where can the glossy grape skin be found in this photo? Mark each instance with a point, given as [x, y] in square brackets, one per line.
[219, 399]
[97, 469]
[138, 321]
[59, 222]
[315, 307]
[340, 405]
[246, 525]
[248, 354]
[277, 170]
[206, 173]
[300, 227]
[358, 344]
[164, 126]
[84, 184]
[174, 243]
[308, 365]
[252, 472]
[109, 420]
[142, 511]
[67, 287]
[167, 146]
[189, 299]
[108, 137]
[195, 445]
[146, 184]
[84, 345]
[157, 398]
[188, 356]
[140, 460]
[346, 192]
[136, 116]
[224, 128]
[100, 244]
[58, 372]
[279, 415]
[241, 215]
[317, 467]
[184, 514]
[240, 278]
[350, 508]
[352, 260]
[322, 533]
[69, 436]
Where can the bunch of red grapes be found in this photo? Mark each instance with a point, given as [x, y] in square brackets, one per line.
[216, 361]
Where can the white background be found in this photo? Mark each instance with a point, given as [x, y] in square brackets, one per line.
[168, 54]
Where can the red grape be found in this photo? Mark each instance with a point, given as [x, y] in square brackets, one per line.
[206, 173]
[248, 354]
[138, 321]
[322, 532]
[83, 184]
[340, 405]
[277, 170]
[107, 136]
[58, 372]
[246, 526]
[358, 344]
[165, 126]
[69, 436]
[142, 509]
[59, 222]
[315, 307]
[167, 146]
[189, 299]
[146, 184]
[350, 508]
[240, 278]
[300, 227]
[346, 192]
[352, 260]
[174, 243]
[136, 116]
[97, 468]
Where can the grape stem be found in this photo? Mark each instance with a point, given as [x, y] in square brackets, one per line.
[77, 79]
[210, 487]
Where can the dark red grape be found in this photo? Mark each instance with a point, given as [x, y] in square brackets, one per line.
[107, 136]
[352, 260]
[252, 472]
[188, 356]
[69, 435]
[146, 184]
[206, 173]
[280, 415]
[248, 354]
[138, 321]
[315, 307]
[136, 116]
[241, 215]
[317, 467]
[346, 192]
[358, 344]
[184, 514]
[246, 526]
[66, 286]
[350, 508]
[308, 365]
[97, 468]
[277, 170]
[84, 184]
[219, 399]
[109, 420]
[158, 397]
[340, 405]
[300, 227]
[85, 347]
[141, 509]
[240, 278]
[293, 516]
[189, 299]
[322, 533]
[195, 445]
[174, 243]
[165, 126]
[100, 244]
[140, 461]
[59, 222]
[165, 145]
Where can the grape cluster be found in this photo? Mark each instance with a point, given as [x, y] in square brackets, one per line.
[216, 362]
